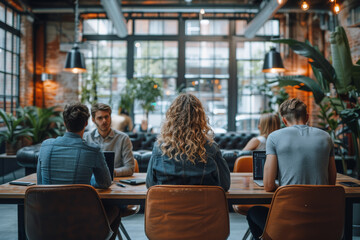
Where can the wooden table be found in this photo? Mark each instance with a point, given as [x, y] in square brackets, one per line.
[242, 191]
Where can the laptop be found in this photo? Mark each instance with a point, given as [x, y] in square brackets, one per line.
[109, 159]
[259, 158]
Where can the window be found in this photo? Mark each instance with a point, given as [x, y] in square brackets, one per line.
[206, 73]
[156, 27]
[102, 27]
[207, 27]
[9, 58]
[270, 28]
[156, 59]
[106, 69]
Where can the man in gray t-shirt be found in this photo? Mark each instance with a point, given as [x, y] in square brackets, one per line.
[297, 154]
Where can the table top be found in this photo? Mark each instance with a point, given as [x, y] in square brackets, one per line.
[242, 187]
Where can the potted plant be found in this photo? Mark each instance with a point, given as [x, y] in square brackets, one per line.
[14, 131]
[343, 75]
[43, 122]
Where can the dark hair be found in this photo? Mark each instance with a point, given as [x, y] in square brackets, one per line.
[75, 116]
[293, 110]
[99, 107]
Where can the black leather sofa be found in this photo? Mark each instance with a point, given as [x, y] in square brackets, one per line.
[230, 144]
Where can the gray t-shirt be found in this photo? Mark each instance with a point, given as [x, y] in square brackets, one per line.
[303, 154]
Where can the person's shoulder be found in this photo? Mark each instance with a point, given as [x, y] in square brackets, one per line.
[49, 141]
[120, 134]
[319, 131]
[89, 134]
[91, 146]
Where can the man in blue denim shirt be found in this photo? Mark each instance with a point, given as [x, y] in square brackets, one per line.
[70, 160]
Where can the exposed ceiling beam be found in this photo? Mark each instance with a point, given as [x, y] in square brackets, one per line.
[261, 17]
[114, 13]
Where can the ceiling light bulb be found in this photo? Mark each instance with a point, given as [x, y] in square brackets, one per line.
[331, 1]
[305, 6]
[336, 8]
[202, 11]
[280, 2]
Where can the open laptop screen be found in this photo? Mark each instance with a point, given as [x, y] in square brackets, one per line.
[259, 158]
[109, 159]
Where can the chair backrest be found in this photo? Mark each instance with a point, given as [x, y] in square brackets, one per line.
[136, 168]
[306, 212]
[65, 212]
[186, 212]
[243, 164]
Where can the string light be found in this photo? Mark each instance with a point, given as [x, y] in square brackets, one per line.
[305, 5]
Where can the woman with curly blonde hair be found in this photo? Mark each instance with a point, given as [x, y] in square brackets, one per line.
[185, 152]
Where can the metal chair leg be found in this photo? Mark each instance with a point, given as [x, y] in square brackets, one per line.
[121, 226]
[119, 234]
[246, 234]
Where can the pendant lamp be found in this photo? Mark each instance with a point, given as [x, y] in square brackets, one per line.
[75, 62]
[273, 62]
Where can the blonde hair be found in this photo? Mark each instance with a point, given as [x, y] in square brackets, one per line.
[269, 122]
[185, 130]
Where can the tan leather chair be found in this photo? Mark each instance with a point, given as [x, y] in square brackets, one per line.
[245, 164]
[65, 212]
[130, 210]
[186, 212]
[301, 212]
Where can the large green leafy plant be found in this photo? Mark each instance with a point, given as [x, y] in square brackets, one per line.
[337, 86]
[14, 131]
[43, 122]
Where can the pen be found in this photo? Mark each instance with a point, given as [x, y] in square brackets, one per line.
[120, 185]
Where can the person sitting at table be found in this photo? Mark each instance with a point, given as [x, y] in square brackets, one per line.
[111, 140]
[185, 152]
[297, 154]
[268, 123]
[70, 160]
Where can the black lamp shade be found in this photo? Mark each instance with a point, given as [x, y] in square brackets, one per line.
[75, 62]
[273, 62]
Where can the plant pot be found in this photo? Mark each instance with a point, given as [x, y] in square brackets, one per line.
[11, 149]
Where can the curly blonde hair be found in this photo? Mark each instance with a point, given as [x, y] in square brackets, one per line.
[185, 130]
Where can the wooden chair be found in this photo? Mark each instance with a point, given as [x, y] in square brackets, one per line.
[65, 212]
[300, 212]
[186, 212]
[130, 210]
[244, 164]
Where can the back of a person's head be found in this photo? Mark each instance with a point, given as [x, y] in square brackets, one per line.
[185, 130]
[293, 110]
[269, 122]
[99, 107]
[75, 116]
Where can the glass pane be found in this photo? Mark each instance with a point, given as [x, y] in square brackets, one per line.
[2, 38]
[220, 27]
[9, 16]
[2, 89]
[192, 68]
[119, 67]
[140, 68]
[206, 27]
[8, 62]
[192, 50]
[207, 67]
[192, 27]
[14, 62]
[104, 48]
[170, 49]
[222, 50]
[119, 49]
[207, 50]
[141, 27]
[104, 66]
[14, 87]
[222, 68]
[2, 62]
[244, 68]
[141, 50]
[91, 26]
[2, 12]
[171, 27]
[155, 67]
[257, 50]
[156, 27]
[105, 27]
[170, 67]
[16, 21]
[8, 85]
[155, 49]
[240, 27]
[9, 41]
[130, 26]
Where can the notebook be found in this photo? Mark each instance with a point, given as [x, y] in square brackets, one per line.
[109, 159]
[259, 158]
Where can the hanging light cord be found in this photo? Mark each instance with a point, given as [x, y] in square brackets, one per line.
[76, 37]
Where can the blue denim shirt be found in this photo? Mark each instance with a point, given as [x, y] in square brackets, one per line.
[163, 170]
[70, 160]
